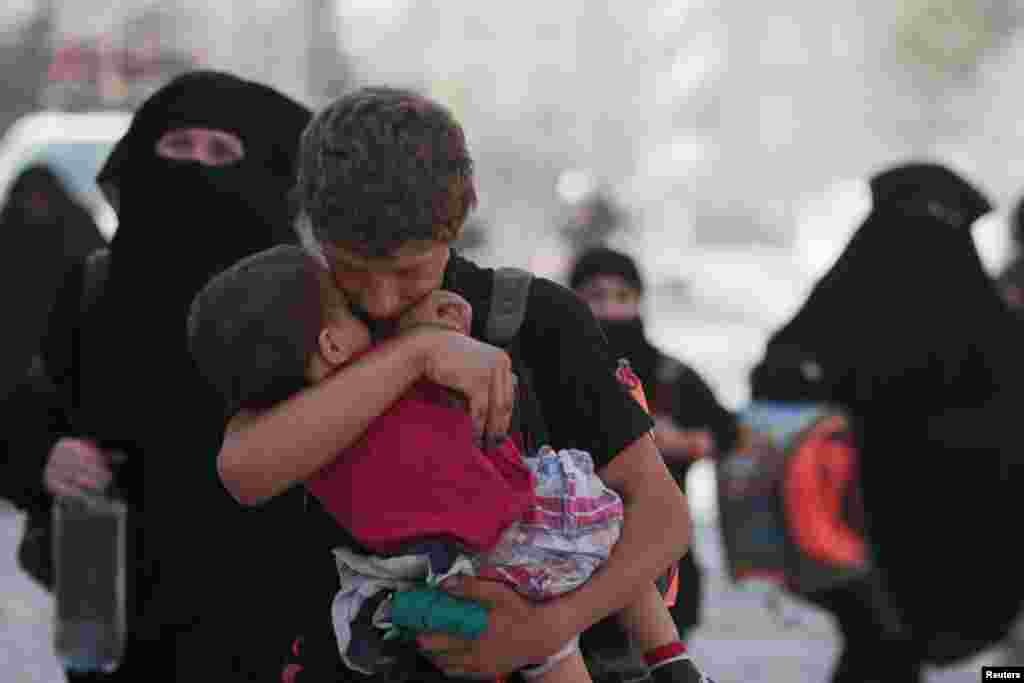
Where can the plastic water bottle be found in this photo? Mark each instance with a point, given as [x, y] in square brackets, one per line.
[89, 537]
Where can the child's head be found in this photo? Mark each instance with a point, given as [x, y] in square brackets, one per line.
[269, 325]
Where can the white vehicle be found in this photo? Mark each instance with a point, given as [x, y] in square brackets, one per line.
[74, 145]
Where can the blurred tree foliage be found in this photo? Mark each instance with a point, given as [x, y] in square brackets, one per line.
[24, 58]
[330, 73]
[594, 221]
[948, 39]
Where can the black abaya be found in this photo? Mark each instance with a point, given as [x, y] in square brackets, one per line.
[209, 594]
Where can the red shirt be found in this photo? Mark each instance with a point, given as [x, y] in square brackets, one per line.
[417, 473]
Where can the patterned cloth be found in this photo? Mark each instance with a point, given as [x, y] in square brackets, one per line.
[566, 534]
[417, 473]
[562, 539]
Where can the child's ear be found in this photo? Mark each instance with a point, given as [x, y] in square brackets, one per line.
[331, 348]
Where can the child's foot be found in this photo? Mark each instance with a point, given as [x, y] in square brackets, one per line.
[672, 664]
[679, 671]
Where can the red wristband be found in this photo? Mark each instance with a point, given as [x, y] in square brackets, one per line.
[663, 653]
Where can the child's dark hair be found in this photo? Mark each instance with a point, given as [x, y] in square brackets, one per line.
[253, 328]
[380, 167]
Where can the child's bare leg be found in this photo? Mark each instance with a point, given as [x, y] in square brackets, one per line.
[570, 669]
[651, 628]
[648, 621]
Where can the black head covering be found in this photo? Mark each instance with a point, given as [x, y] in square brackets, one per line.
[181, 221]
[911, 336]
[626, 337]
[790, 374]
[39, 197]
[604, 261]
[44, 230]
[251, 194]
[909, 265]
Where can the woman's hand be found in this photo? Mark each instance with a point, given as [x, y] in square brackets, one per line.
[480, 372]
[76, 467]
[681, 445]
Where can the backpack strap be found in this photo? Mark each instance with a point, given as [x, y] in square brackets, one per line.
[97, 266]
[509, 297]
[508, 305]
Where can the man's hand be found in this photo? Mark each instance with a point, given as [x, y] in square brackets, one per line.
[519, 633]
[480, 372]
[678, 444]
[76, 466]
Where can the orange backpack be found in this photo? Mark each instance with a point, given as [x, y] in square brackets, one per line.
[789, 498]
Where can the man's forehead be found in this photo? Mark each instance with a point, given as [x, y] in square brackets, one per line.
[408, 255]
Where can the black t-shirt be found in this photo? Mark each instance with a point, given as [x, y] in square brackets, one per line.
[582, 404]
[573, 372]
[694, 404]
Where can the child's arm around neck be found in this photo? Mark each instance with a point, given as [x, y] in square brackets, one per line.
[264, 454]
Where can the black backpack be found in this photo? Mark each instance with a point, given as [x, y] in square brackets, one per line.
[508, 310]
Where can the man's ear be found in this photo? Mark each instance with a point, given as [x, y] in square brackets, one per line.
[331, 349]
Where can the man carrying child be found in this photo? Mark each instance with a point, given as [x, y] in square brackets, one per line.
[386, 181]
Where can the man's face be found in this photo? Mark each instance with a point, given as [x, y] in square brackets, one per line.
[386, 287]
[610, 297]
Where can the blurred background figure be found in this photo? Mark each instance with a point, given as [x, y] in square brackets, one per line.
[46, 231]
[926, 365]
[595, 216]
[39, 197]
[690, 423]
[791, 373]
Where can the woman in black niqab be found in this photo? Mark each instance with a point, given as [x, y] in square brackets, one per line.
[611, 283]
[198, 591]
[45, 230]
[182, 221]
[908, 333]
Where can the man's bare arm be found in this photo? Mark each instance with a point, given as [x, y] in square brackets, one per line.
[655, 533]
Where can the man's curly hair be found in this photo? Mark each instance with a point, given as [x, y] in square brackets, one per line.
[380, 167]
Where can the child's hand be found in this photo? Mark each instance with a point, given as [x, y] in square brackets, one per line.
[480, 372]
[678, 444]
[442, 308]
